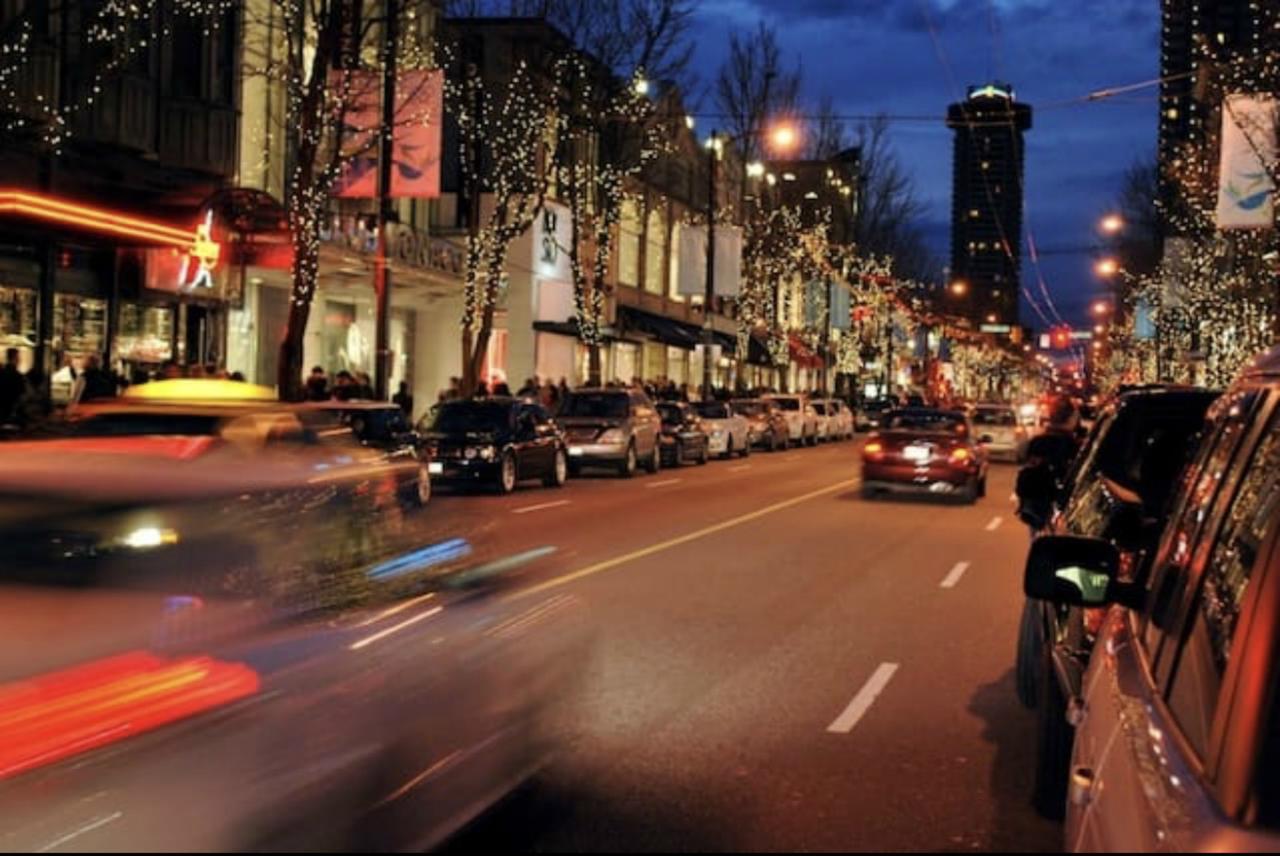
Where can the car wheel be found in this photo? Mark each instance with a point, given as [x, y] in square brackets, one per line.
[559, 470]
[423, 493]
[982, 487]
[1054, 736]
[970, 495]
[575, 470]
[705, 454]
[507, 473]
[677, 455]
[746, 449]
[1027, 661]
[868, 493]
[655, 460]
[627, 468]
[728, 450]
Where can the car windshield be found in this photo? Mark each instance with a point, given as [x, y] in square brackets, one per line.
[925, 421]
[995, 416]
[820, 407]
[143, 424]
[470, 417]
[787, 403]
[748, 407]
[596, 405]
[713, 410]
[671, 414]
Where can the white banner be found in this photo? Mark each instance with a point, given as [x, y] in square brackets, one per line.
[692, 261]
[1245, 191]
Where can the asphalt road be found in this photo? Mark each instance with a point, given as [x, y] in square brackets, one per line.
[780, 665]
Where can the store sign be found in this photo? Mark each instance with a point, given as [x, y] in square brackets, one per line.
[552, 237]
[1245, 189]
[415, 138]
[405, 245]
[995, 328]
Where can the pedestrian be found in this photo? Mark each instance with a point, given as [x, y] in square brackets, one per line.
[501, 389]
[34, 407]
[344, 386]
[12, 386]
[317, 385]
[455, 388]
[530, 388]
[237, 376]
[404, 400]
[563, 390]
[94, 382]
[364, 386]
[482, 390]
[554, 399]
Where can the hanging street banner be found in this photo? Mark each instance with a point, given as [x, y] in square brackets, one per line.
[692, 278]
[416, 146]
[1246, 194]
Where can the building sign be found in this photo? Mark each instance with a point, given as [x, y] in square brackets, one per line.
[1245, 190]
[405, 245]
[995, 328]
[692, 276]
[552, 236]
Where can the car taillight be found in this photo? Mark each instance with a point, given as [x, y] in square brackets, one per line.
[873, 450]
[960, 455]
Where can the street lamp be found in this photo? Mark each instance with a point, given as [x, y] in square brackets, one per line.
[1106, 268]
[755, 169]
[1112, 224]
[641, 86]
[1100, 307]
[783, 138]
[1099, 329]
[959, 288]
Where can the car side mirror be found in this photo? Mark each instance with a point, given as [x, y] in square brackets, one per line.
[1070, 570]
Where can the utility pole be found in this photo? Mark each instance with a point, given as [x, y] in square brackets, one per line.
[386, 214]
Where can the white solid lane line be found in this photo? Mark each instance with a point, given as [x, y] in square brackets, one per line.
[995, 523]
[540, 506]
[739, 468]
[663, 483]
[862, 702]
[395, 628]
[954, 577]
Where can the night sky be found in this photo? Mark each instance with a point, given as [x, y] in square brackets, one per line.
[875, 56]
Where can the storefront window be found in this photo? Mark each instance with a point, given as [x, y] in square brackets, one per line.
[673, 281]
[677, 364]
[654, 250]
[18, 323]
[79, 328]
[629, 244]
[403, 329]
[495, 361]
[625, 362]
[145, 334]
[655, 360]
[345, 346]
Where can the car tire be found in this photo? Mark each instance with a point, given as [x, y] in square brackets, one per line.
[508, 475]
[422, 491]
[1027, 661]
[982, 487]
[559, 470]
[575, 470]
[868, 493]
[970, 495]
[704, 455]
[746, 449]
[813, 439]
[655, 460]
[627, 466]
[728, 450]
[1054, 736]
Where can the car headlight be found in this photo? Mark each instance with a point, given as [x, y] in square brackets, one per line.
[613, 436]
[717, 433]
[487, 453]
[146, 538]
[470, 452]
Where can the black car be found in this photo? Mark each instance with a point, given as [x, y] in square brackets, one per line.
[384, 427]
[495, 441]
[683, 438]
[1117, 491]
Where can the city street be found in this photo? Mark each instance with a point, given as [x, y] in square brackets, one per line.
[780, 664]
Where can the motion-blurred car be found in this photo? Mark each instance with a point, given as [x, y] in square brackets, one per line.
[498, 442]
[837, 418]
[802, 419]
[225, 652]
[616, 428]
[385, 427]
[1177, 723]
[728, 431]
[766, 424]
[924, 451]
[684, 438]
[1118, 491]
[998, 430]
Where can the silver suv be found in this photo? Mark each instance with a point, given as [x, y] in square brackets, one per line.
[1178, 723]
[616, 428]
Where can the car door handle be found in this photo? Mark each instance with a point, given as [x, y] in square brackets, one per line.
[1081, 787]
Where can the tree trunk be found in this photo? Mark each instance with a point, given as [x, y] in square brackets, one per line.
[593, 365]
[289, 367]
[469, 381]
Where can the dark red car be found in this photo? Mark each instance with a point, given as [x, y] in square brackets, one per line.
[927, 451]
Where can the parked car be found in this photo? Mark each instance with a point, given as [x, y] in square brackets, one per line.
[924, 450]
[871, 411]
[767, 426]
[498, 442]
[212, 654]
[386, 428]
[1117, 490]
[802, 419]
[727, 429]
[999, 431]
[683, 436]
[838, 418]
[1177, 720]
[616, 428]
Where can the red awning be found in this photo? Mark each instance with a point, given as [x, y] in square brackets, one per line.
[802, 355]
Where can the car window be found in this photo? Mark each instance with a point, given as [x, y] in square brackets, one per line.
[713, 410]
[671, 414]
[469, 417]
[995, 417]
[1248, 524]
[750, 408]
[787, 403]
[1191, 516]
[536, 413]
[597, 405]
[141, 424]
[929, 421]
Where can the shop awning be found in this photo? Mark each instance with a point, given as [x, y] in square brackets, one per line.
[570, 328]
[802, 355]
[758, 352]
[670, 331]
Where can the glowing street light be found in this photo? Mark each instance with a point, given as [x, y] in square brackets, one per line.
[1099, 329]
[1106, 267]
[755, 169]
[1100, 307]
[642, 86]
[784, 137]
[1112, 224]
[959, 288]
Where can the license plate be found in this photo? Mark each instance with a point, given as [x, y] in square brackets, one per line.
[575, 451]
[916, 453]
[435, 468]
